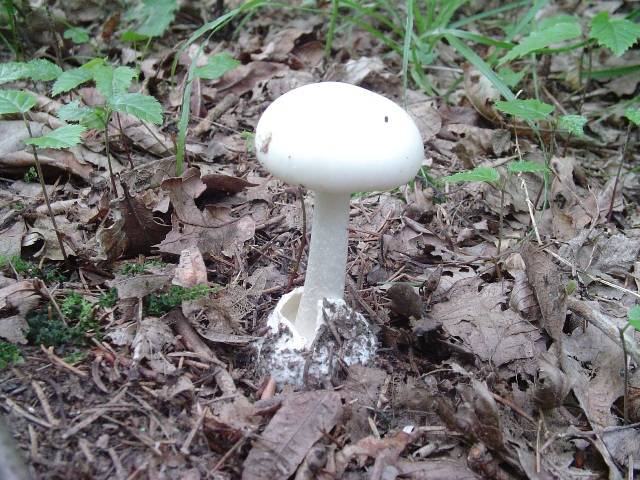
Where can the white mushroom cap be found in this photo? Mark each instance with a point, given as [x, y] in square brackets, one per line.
[337, 137]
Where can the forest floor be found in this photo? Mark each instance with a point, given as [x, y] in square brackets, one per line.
[497, 304]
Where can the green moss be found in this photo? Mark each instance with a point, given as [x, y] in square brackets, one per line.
[131, 269]
[109, 298]
[50, 330]
[48, 273]
[9, 354]
[161, 303]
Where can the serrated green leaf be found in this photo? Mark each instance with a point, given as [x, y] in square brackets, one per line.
[153, 16]
[77, 35]
[113, 81]
[96, 118]
[633, 114]
[12, 71]
[511, 78]
[91, 117]
[130, 36]
[72, 112]
[617, 34]
[556, 19]
[217, 66]
[478, 174]
[574, 124]
[63, 137]
[530, 109]
[16, 101]
[144, 107]
[634, 317]
[71, 79]
[526, 166]
[43, 70]
[540, 39]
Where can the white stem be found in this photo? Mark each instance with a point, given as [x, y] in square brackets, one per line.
[326, 268]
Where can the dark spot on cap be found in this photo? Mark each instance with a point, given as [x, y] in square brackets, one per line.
[386, 119]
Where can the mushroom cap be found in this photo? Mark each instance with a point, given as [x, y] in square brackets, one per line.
[337, 137]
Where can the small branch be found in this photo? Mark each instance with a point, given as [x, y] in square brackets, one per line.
[604, 324]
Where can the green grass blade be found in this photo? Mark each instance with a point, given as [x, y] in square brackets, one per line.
[473, 58]
[406, 49]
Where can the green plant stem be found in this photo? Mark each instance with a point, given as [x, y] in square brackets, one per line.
[44, 192]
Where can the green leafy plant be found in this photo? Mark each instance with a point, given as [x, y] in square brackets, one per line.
[161, 303]
[9, 355]
[113, 83]
[617, 34]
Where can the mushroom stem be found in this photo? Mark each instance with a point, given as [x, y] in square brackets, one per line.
[326, 267]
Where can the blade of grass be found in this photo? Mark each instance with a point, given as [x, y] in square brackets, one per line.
[374, 14]
[335, 7]
[406, 48]
[489, 13]
[473, 58]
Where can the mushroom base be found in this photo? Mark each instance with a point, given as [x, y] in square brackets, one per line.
[285, 354]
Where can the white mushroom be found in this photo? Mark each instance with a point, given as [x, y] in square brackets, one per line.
[335, 139]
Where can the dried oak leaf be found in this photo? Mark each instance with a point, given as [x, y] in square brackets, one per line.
[299, 423]
[211, 229]
[548, 285]
[494, 334]
[191, 270]
[135, 230]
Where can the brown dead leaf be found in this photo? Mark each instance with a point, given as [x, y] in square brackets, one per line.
[212, 230]
[191, 270]
[134, 231]
[11, 240]
[385, 451]
[492, 333]
[360, 393]
[139, 286]
[213, 322]
[151, 340]
[280, 45]
[595, 361]
[548, 285]
[54, 164]
[481, 93]
[436, 469]
[299, 423]
[602, 255]
[244, 78]
[20, 297]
